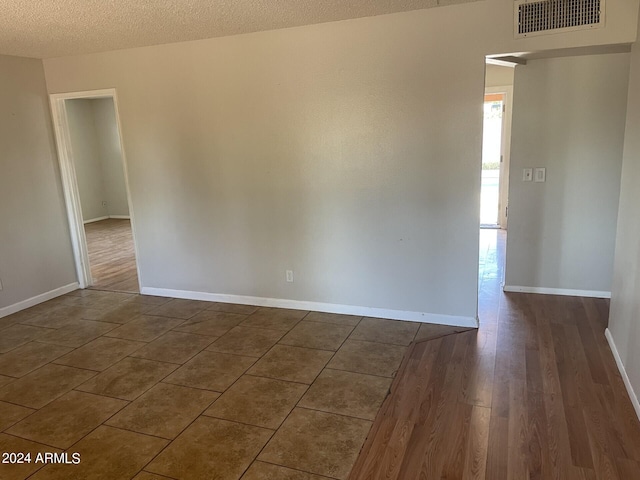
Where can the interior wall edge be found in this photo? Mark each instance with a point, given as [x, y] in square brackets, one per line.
[623, 372]
[43, 297]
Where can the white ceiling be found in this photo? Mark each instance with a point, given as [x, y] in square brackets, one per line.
[54, 28]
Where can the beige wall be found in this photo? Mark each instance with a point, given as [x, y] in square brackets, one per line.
[624, 322]
[104, 117]
[497, 76]
[569, 117]
[35, 248]
[86, 158]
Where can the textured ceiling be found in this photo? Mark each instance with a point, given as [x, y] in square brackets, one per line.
[53, 28]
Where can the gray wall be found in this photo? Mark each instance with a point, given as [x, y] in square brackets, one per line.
[35, 248]
[87, 161]
[624, 322]
[97, 157]
[568, 116]
[104, 116]
[255, 154]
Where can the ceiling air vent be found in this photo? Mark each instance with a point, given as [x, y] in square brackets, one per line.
[556, 16]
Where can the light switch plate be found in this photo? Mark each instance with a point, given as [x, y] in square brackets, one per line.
[540, 174]
[527, 174]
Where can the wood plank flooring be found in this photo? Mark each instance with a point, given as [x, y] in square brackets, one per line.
[112, 256]
[534, 393]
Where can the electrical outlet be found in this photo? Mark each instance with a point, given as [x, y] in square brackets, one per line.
[290, 276]
[0, 284]
[527, 174]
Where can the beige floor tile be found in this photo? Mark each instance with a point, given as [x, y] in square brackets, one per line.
[126, 311]
[20, 316]
[17, 335]
[262, 402]
[10, 414]
[77, 333]
[379, 330]
[56, 317]
[430, 331]
[253, 342]
[294, 364]
[323, 336]
[29, 357]
[81, 292]
[44, 385]
[128, 379]
[149, 476]
[101, 304]
[179, 308]
[145, 328]
[100, 354]
[274, 318]
[9, 443]
[317, 442]
[47, 306]
[211, 323]
[83, 313]
[174, 347]
[211, 448]
[67, 419]
[368, 357]
[267, 471]
[232, 308]
[335, 318]
[211, 371]
[164, 411]
[150, 300]
[347, 393]
[107, 454]
[98, 300]
[4, 380]
[7, 322]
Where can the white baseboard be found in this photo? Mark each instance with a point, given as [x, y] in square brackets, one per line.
[97, 219]
[456, 321]
[43, 297]
[557, 291]
[120, 217]
[623, 372]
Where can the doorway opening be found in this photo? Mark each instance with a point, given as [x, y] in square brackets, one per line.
[96, 189]
[495, 157]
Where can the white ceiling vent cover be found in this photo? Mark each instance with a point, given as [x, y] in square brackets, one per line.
[556, 16]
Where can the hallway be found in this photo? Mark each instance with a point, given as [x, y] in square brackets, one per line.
[533, 393]
[112, 256]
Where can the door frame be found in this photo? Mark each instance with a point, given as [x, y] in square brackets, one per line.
[70, 180]
[505, 148]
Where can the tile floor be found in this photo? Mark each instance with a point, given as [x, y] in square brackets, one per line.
[150, 388]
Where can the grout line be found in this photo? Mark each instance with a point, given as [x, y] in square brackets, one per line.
[214, 417]
[38, 443]
[303, 407]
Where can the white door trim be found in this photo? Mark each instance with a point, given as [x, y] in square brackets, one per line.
[70, 181]
[507, 90]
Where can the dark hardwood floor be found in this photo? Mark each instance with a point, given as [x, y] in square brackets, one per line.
[534, 393]
[112, 256]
